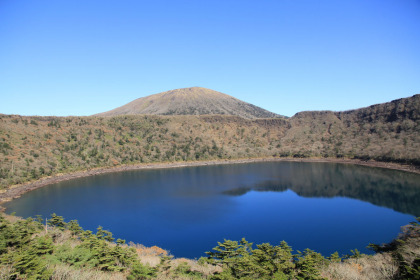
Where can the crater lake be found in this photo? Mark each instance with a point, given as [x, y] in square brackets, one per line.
[326, 207]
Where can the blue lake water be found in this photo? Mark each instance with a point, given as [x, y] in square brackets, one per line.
[326, 207]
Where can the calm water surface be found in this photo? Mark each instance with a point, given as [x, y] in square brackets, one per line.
[322, 206]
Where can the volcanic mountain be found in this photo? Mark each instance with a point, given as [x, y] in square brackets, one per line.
[191, 101]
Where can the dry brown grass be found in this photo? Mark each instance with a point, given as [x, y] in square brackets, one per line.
[152, 261]
[12, 218]
[149, 255]
[6, 272]
[65, 272]
[376, 267]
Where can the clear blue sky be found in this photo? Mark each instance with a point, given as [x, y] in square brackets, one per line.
[81, 57]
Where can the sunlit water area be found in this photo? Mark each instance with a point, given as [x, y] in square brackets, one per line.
[326, 207]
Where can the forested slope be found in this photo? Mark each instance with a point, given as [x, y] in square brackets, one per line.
[34, 147]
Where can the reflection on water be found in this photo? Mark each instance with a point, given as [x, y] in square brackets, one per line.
[187, 210]
[389, 188]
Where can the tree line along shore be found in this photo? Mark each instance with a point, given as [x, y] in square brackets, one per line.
[16, 191]
[32, 148]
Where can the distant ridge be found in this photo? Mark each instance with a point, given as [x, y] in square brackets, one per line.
[191, 101]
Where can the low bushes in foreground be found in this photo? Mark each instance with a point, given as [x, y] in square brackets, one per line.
[31, 250]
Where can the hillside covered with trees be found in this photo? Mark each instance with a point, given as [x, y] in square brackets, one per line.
[35, 147]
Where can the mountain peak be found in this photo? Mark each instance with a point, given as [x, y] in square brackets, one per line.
[191, 101]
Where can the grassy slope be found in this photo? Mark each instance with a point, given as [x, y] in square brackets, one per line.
[35, 147]
[190, 101]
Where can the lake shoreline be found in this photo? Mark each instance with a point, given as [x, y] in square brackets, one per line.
[16, 191]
